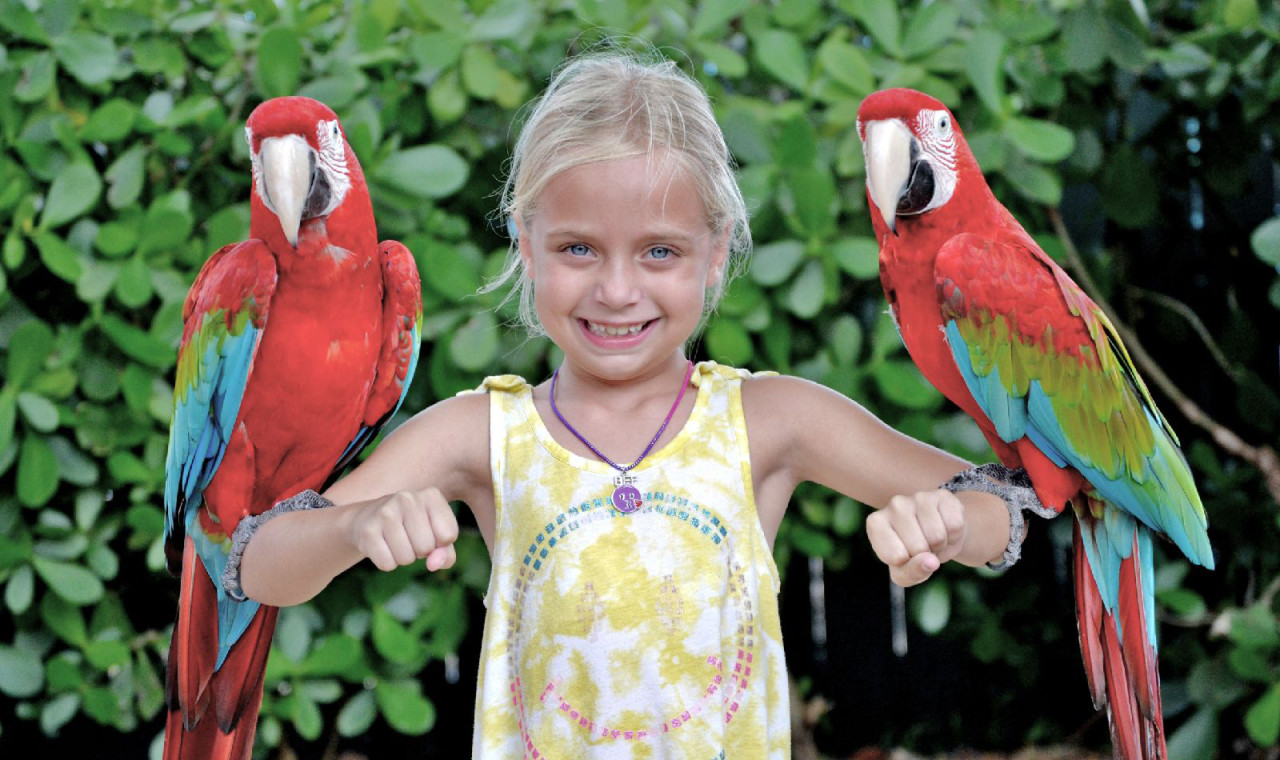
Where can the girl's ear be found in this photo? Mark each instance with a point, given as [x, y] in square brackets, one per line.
[516, 227]
[719, 257]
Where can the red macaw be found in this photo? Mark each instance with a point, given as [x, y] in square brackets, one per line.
[298, 345]
[1004, 333]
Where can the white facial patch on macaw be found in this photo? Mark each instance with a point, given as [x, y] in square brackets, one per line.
[937, 139]
[332, 159]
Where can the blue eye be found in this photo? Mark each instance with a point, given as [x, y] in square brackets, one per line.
[661, 252]
[578, 249]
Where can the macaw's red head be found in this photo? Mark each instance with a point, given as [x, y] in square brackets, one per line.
[301, 166]
[915, 153]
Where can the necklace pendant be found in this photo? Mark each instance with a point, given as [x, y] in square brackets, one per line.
[626, 497]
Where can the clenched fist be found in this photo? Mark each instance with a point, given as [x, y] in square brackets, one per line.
[404, 527]
[915, 534]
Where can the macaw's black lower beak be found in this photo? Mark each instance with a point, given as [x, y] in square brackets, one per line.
[918, 192]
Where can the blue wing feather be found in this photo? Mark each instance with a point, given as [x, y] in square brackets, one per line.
[213, 371]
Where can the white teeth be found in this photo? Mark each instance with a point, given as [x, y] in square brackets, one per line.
[612, 331]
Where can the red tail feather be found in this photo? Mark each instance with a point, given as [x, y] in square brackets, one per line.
[192, 684]
[1122, 671]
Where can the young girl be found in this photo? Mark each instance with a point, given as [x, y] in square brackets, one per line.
[629, 502]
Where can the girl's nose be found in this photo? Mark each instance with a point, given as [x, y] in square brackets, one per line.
[619, 285]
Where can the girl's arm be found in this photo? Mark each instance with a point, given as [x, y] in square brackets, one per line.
[393, 508]
[802, 431]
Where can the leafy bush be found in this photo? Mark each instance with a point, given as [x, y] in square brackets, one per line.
[123, 165]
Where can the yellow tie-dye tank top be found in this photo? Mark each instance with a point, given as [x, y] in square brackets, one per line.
[650, 634]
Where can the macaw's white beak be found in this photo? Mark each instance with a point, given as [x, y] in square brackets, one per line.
[287, 166]
[887, 149]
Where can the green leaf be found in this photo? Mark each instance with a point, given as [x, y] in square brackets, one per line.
[1086, 48]
[780, 53]
[859, 256]
[435, 51]
[847, 65]
[58, 257]
[727, 61]
[1042, 141]
[107, 653]
[39, 411]
[1197, 739]
[336, 92]
[729, 342]
[931, 606]
[404, 707]
[279, 64]
[880, 18]
[901, 383]
[845, 340]
[334, 655]
[168, 223]
[1255, 626]
[503, 20]
[72, 582]
[58, 711]
[804, 298]
[930, 28]
[1263, 718]
[1181, 601]
[846, 516]
[21, 673]
[713, 15]
[983, 62]
[8, 422]
[357, 715]
[1034, 181]
[1265, 241]
[29, 347]
[91, 58]
[446, 98]
[37, 472]
[1240, 15]
[74, 191]
[116, 239]
[124, 177]
[137, 343]
[36, 80]
[427, 171]
[813, 191]
[480, 71]
[155, 55]
[110, 122]
[1182, 59]
[306, 716]
[20, 590]
[475, 343]
[773, 263]
[133, 286]
[796, 145]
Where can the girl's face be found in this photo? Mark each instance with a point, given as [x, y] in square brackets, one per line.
[621, 256]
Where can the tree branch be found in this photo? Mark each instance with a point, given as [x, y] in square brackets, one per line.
[1262, 457]
[1187, 313]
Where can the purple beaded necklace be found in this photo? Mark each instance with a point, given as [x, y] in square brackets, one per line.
[626, 497]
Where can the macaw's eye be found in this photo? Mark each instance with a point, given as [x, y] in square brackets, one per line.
[335, 129]
[943, 123]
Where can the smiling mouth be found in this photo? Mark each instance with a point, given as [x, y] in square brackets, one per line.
[615, 331]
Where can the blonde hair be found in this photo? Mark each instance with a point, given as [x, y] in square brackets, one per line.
[609, 104]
